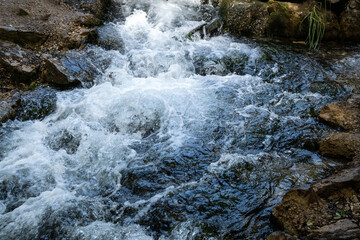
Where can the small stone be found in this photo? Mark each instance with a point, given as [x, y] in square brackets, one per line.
[21, 12]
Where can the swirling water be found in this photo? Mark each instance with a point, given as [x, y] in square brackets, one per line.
[176, 138]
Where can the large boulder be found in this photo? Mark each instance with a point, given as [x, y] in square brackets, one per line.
[287, 19]
[265, 19]
[345, 114]
[243, 18]
[341, 145]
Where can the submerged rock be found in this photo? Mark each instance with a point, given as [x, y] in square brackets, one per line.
[36, 104]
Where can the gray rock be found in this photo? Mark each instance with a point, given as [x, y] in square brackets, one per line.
[342, 229]
[345, 178]
[280, 236]
[56, 73]
[28, 39]
[96, 7]
[9, 107]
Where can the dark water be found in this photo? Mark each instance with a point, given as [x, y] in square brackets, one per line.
[173, 139]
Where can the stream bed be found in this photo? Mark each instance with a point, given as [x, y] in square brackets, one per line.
[177, 137]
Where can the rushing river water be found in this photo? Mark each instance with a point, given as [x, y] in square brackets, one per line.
[177, 137]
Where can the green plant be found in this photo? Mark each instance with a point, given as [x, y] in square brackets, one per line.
[316, 29]
[340, 214]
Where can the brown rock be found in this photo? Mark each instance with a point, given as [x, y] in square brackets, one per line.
[345, 114]
[56, 73]
[242, 18]
[21, 64]
[309, 211]
[341, 145]
[280, 236]
[342, 229]
[80, 37]
[350, 20]
[297, 208]
[9, 107]
[345, 178]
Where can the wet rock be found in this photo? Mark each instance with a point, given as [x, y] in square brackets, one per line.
[21, 64]
[83, 65]
[36, 104]
[6, 111]
[110, 38]
[345, 114]
[64, 140]
[24, 38]
[56, 73]
[341, 145]
[74, 67]
[9, 107]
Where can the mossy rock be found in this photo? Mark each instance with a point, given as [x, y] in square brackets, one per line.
[284, 22]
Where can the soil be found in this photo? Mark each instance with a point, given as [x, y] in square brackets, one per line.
[53, 18]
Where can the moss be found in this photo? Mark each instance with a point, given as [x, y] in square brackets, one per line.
[279, 21]
[32, 86]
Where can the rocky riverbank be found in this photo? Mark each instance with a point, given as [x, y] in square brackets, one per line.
[34, 39]
[330, 208]
[290, 19]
